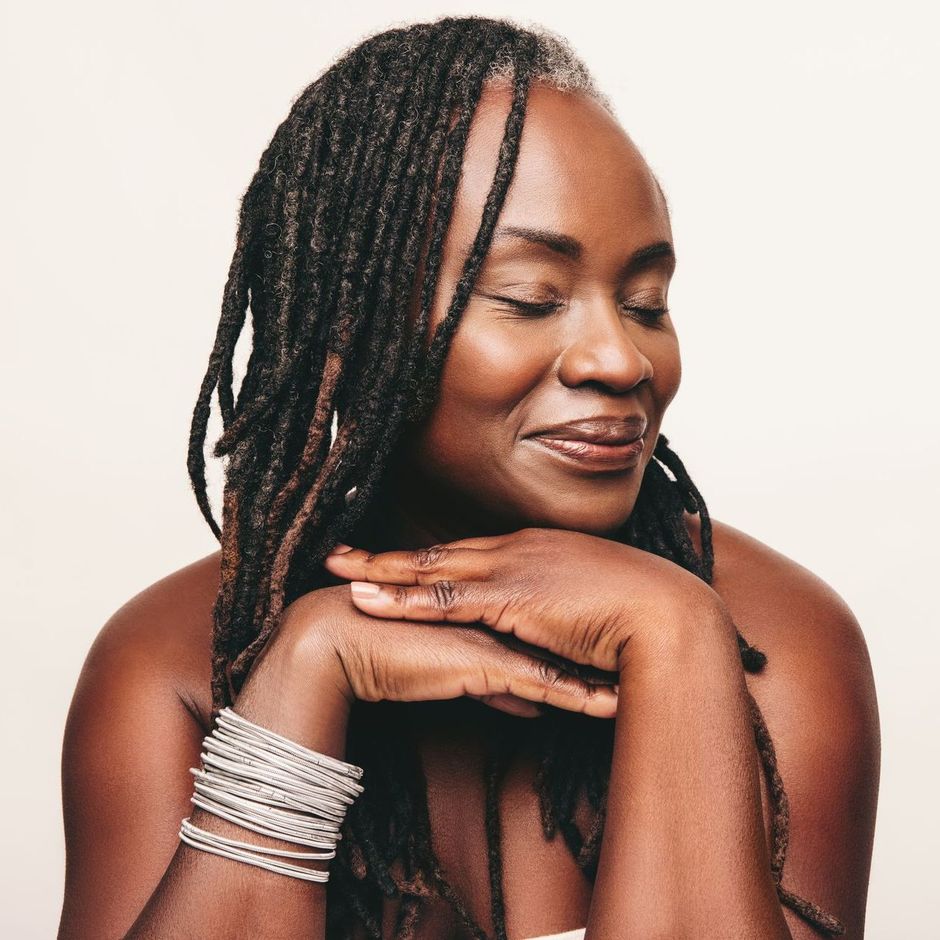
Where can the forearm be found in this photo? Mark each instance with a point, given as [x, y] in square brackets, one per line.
[684, 852]
[202, 894]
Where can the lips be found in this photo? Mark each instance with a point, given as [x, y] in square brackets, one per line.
[601, 430]
[595, 444]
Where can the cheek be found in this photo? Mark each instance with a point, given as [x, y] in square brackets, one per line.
[491, 366]
[487, 373]
[666, 360]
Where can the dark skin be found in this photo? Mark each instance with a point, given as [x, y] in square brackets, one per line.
[468, 472]
[598, 351]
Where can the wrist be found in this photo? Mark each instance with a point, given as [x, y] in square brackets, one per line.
[297, 688]
[690, 625]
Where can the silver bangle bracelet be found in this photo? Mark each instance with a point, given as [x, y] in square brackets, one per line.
[240, 855]
[227, 717]
[261, 773]
[266, 783]
[249, 753]
[261, 794]
[240, 820]
[294, 823]
[214, 838]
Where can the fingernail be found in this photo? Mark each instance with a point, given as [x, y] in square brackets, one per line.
[364, 588]
[340, 549]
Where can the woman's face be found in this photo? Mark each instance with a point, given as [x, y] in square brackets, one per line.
[583, 235]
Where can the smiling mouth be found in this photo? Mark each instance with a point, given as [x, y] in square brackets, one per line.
[591, 455]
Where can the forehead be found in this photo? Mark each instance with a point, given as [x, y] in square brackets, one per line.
[577, 171]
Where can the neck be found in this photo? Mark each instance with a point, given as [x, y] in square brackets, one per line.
[410, 512]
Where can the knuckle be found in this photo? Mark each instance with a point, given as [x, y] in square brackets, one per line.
[444, 594]
[365, 675]
[592, 636]
[427, 559]
[549, 674]
[503, 620]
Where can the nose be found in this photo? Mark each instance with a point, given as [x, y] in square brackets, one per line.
[604, 351]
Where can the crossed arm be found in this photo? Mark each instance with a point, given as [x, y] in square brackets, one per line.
[682, 854]
[685, 852]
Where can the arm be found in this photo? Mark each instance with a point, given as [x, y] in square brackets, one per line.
[684, 853]
[822, 714]
[205, 895]
[685, 749]
[129, 744]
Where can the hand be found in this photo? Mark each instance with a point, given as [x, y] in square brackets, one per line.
[576, 595]
[323, 634]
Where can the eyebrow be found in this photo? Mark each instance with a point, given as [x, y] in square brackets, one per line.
[571, 248]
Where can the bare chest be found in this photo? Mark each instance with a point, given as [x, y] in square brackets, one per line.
[544, 891]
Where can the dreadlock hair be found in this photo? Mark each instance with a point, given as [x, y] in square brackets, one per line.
[352, 197]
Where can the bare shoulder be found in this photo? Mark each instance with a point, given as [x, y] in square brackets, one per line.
[817, 694]
[781, 606]
[135, 726]
[165, 630]
[816, 649]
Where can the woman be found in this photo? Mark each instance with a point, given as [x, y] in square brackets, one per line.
[457, 266]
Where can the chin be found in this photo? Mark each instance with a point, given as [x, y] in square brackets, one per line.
[579, 514]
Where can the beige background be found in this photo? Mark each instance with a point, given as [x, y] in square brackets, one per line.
[798, 146]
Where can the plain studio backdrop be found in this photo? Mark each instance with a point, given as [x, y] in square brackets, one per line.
[798, 147]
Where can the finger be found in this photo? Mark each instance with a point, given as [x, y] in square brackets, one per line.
[563, 690]
[495, 668]
[481, 542]
[450, 601]
[587, 673]
[538, 681]
[511, 704]
[418, 566]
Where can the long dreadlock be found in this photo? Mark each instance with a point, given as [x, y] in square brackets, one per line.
[351, 198]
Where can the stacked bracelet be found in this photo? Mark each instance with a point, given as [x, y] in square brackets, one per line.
[271, 785]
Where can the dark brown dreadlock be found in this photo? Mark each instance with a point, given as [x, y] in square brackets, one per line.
[352, 195]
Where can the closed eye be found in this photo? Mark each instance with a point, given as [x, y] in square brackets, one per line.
[529, 308]
[650, 315]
